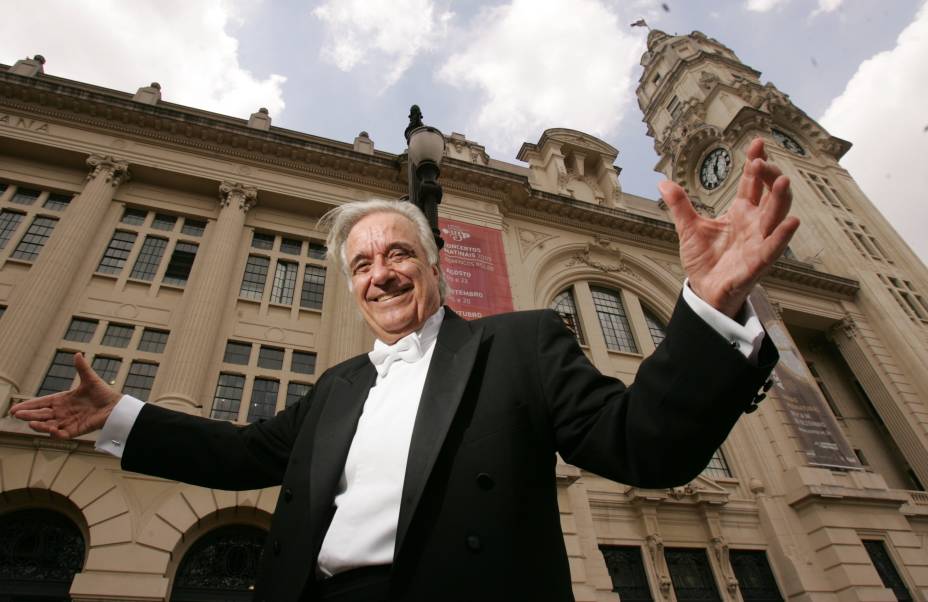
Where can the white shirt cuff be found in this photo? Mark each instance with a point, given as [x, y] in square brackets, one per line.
[117, 427]
[745, 337]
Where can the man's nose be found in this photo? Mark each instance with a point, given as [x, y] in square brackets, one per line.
[381, 271]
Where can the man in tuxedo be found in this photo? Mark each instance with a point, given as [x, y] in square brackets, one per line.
[424, 470]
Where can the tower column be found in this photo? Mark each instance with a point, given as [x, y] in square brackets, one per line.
[343, 333]
[193, 338]
[37, 299]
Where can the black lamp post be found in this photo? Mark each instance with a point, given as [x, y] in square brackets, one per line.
[426, 146]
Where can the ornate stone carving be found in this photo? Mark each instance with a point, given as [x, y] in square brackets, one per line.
[586, 257]
[708, 80]
[699, 206]
[231, 193]
[846, 327]
[529, 240]
[114, 171]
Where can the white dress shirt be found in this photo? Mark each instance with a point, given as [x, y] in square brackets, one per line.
[363, 529]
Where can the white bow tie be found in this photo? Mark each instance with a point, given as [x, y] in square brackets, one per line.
[406, 349]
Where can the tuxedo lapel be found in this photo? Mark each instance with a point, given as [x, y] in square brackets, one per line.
[334, 433]
[449, 371]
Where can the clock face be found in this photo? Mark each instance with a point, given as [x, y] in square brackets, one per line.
[715, 168]
[787, 142]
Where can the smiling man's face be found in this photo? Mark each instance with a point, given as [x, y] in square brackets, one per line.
[393, 284]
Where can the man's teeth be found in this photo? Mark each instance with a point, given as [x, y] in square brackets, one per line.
[389, 296]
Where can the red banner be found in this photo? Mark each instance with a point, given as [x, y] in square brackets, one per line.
[474, 265]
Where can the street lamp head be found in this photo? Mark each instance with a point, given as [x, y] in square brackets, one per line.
[426, 144]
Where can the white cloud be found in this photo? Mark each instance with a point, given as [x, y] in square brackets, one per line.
[184, 45]
[882, 111]
[545, 63]
[388, 33]
[763, 6]
[826, 6]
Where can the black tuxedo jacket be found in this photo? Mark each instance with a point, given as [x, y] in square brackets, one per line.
[479, 518]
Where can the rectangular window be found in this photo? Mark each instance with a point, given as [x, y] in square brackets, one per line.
[153, 341]
[146, 264]
[303, 362]
[237, 353]
[614, 320]
[755, 579]
[163, 222]
[81, 330]
[284, 283]
[9, 220]
[107, 368]
[118, 335]
[25, 196]
[117, 252]
[626, 567]
[255, 276]
[566, 308]
[271, 357]
[57, 202]
[718, 466]
[133, 217]
[140, 379]
[178, 270]
[292, 246]
[887, 571]
[313, 287]
[263, 399]
[228, 397]
[35, 238]
[316, 251]
[60, 374]
[691, 575]
[911, 301]
[262, 241]
[295, 392]
[193, 227]
[654, 327]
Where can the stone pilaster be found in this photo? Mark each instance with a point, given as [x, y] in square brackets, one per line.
[344, 333]
[37, 299]
[193, 338]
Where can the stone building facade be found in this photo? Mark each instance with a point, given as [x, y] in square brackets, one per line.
[178, 249]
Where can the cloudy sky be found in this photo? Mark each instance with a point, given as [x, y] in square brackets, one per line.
[503, 71]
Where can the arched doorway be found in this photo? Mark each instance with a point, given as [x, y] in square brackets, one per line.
[221, 565]
[40, 551]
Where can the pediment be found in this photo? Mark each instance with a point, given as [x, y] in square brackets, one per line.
[571, 139]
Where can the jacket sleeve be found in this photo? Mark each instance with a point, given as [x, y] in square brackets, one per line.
[662, 430]
[213, 453]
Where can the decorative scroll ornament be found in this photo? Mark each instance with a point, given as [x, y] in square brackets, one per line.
[231, 193]
[586, 258]
[114, 171]
[529, 240]
[847, 327]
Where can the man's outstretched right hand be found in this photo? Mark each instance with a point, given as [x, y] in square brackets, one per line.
[69, 414]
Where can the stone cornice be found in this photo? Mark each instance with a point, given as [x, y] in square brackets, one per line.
[801, 274]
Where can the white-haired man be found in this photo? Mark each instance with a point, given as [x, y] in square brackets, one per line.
[424, 470]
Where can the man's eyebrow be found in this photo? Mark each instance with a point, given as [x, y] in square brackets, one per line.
[358, 257]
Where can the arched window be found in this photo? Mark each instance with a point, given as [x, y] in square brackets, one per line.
[655, 326]
[40, 551]
[566, 307]
[613, 319]
[718, 466]
[221, 565]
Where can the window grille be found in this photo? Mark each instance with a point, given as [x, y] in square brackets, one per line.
[295, 392]
[691, 575]
[107, 368]
[25, 196]
[718, 466]
[81, 330]
[153, 340]
[178, 270]
[316, 250]
[313, 287]
[303, 362]
[146, 264]
[291, 246]
[228, 396]
[255, 276]
[193, 227]
[237, 353]
[134, 217]
[655, 327]
[9, 221]
[566, 308]
[117, 252]
[35, 238]
[271, 357]
[284, 283]
[613, 320]
[755, 579]
[60, 374]
[118, 335]
[263, 399]
[163, 222]
[262, 241]
[57, 202]
[626, 567]
[140, 379]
